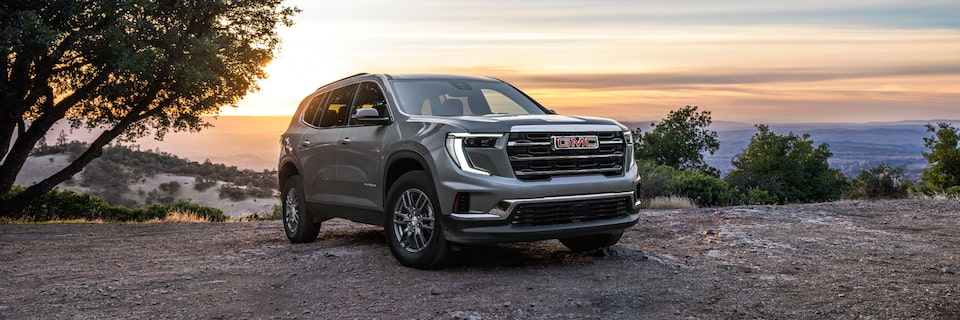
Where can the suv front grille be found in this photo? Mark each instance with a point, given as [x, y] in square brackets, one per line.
[533, 157]
[540, 214]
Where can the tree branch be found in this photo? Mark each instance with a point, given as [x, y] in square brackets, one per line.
[138, 113]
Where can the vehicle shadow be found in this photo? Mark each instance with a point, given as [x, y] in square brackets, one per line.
[539, 253]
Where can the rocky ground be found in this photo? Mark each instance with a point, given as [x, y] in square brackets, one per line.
[872, 260]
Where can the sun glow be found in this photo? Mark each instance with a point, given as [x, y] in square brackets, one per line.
[639, 61]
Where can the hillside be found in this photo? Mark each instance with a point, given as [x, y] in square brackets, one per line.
[134, 178]
[245, 142]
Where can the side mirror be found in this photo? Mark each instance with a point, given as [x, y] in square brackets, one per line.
[551, 111]
[370, 116]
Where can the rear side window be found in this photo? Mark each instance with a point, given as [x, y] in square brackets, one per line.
[313, 110]
[370, 96]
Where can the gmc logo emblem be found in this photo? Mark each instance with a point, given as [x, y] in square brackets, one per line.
[575, 142]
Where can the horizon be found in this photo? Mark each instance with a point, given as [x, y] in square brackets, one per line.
[714, 120]
[746, 61]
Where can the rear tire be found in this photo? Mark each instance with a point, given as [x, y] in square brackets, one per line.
[593, 242]
[412, 223]
[297, 223]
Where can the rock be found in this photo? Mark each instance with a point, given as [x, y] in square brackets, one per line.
[435, 292]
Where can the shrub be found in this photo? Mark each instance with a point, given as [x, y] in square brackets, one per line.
[757, 196]
[258, 192]
[654, 179]
[60, 205]
[170, 188]
[881, 182]
[233, 192]
[202, 184]
[68, 205]
[160, 211]
[703, 188]
[789, 167]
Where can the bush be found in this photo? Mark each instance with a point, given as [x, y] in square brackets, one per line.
[704, 189]
[202, 184]
[233, 192]
[881, 182]
[68, 205]
[757, 196]
[788, 167]
[654, 179]
[170, 188]
[160, 211]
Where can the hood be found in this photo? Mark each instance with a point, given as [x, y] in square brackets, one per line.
[516, 123]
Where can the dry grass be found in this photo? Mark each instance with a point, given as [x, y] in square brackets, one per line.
[671, 202]
[178, 216]
[937, 196]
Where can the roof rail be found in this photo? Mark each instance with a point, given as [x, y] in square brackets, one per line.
[345, 78]
[356, 75]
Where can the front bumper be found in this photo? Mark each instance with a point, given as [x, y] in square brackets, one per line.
[545, 218]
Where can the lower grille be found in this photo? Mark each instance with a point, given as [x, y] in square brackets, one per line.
[541, 214]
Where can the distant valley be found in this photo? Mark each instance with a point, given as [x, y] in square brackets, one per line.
[252, 142]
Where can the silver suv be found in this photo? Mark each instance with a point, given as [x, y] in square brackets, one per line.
[442, 160]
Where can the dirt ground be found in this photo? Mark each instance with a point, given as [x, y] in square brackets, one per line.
[871, 260]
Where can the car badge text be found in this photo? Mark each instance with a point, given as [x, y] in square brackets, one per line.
[575, 142]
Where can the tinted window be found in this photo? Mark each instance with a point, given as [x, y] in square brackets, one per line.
[370, 96]
[337, 109]
[313, 109]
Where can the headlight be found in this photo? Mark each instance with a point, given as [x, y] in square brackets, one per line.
[628, 153]
[457, 142]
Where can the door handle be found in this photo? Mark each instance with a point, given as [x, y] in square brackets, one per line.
[305, 143]
[345, 140]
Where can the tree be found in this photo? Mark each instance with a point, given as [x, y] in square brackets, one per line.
[881, 182]
[788, 167]
[129, 67]
[679, 140]
[944, 157]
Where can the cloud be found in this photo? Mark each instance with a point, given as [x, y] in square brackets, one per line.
[660, 80]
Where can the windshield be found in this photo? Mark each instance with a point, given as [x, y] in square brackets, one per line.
[462, 98]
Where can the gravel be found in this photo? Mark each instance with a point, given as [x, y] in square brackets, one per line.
[849, 259]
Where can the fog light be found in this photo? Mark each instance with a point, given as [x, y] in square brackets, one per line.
[461, 202]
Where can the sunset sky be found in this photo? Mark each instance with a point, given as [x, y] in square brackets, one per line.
[749, 61]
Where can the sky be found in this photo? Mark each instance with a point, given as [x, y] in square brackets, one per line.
[746, 61]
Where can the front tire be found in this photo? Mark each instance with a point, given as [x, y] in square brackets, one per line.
[412, 224]
[297, 223]
[593, 242]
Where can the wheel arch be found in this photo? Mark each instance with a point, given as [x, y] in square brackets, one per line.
[287, 170]
[400, 163]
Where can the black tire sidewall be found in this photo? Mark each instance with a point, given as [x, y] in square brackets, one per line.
[306, 230]
[437, 249]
